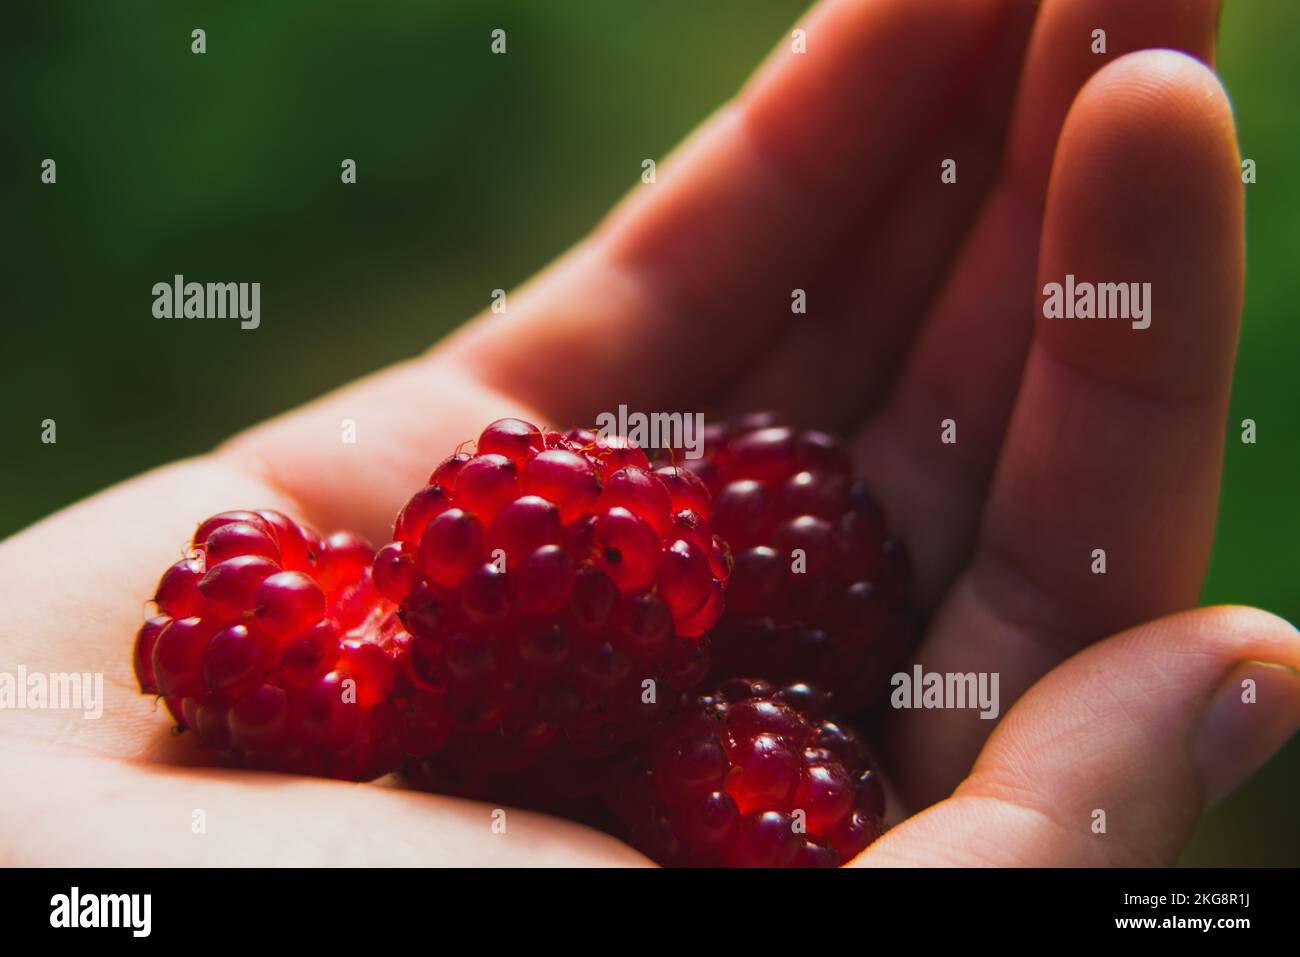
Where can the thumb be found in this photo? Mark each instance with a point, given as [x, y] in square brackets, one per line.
[1110, 759]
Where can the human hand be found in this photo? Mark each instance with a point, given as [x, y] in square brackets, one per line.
[824, 176]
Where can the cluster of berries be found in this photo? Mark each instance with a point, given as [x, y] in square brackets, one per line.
[543, 624]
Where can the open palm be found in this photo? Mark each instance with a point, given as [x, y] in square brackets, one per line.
[823, 175]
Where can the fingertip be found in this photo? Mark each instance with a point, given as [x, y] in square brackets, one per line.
[1146, 189]
[1226, 631]
[1171, 86]
[1247, 620]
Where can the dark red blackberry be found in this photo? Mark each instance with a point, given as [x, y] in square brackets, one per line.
[818, 591]
[749, 777]
[273, 646]
[552, 585]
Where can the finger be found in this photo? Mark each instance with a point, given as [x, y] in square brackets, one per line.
[1116, 439]
[690, 280]
[863, 307]
[965, 364]
[1112, 757]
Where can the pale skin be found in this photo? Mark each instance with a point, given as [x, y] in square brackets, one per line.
[822, 174]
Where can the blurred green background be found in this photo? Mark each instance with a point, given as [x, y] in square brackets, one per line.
[473, 172]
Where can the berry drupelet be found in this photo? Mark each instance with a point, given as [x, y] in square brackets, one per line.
[273, 647]
[557, 591]
[819, 591]
[749, 777]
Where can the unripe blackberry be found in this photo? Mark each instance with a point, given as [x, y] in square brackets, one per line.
[274, 648]
[819, 590]
[554, 588]
[749, 777]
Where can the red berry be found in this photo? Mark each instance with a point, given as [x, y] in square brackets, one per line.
[523, 525]
[259, 721]
[261, 618]
[740, 778]
[145, 640]
[762, 454]
[178, 657]
[288, 603]
[608, 453]
[422, 612]
[424, 726]
[485, 484]
[565, 478]
[808, 539]
[342, 563]
[815, 494]
[371, 669]
[178, 590]
[544, 581]
[817, 590]
[642, 494]
[686, 489]
[445, 475]
[451, 545]
[553, 582]
[484, 596]
[515, 439]
[690, 769]
[210, 722]
[394, 572]
[742, 512]
[208, 526]
[235, 660]
[767, 772]
[310, 654]
[240, 538]
[709, 822]
[326, 718]
[826, 795]
[757, 582]
[298, 546]
[870, 794]
[424, 506]
[594, 597]
[767, 839]
[647, 624]
[627, 550]
[231, 585]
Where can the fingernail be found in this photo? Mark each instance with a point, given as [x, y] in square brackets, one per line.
[1251, 715]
